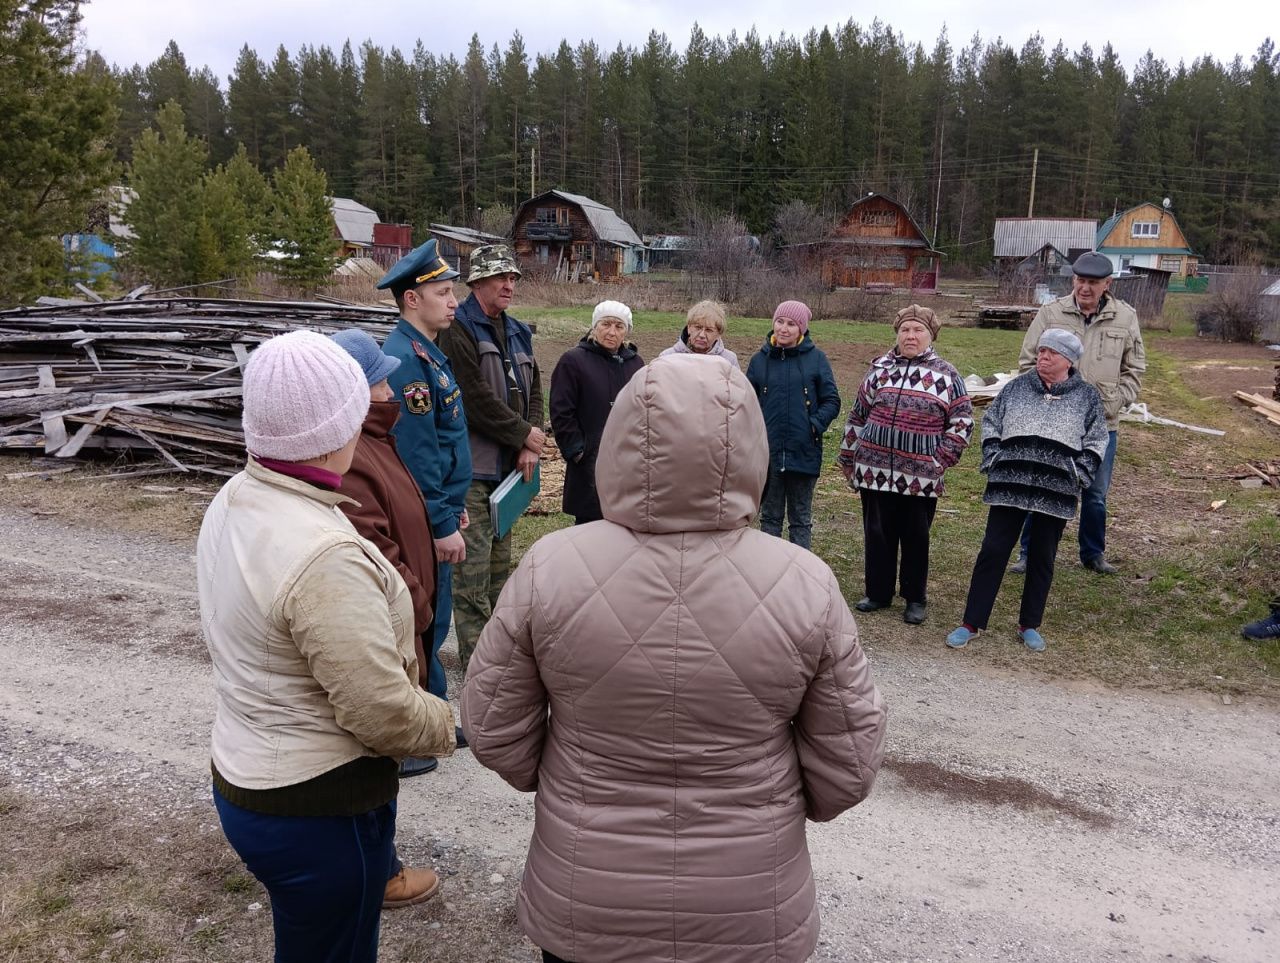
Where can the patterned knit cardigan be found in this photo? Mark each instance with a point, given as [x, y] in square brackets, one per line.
[911, 421]
[1042, 446]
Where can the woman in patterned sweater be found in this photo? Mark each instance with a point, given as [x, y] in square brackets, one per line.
[910, 422]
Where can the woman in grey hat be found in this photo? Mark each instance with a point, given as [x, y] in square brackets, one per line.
[1043, 439]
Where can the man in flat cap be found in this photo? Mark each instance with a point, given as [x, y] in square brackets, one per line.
[431, 433]
[492, 355]
[1114, 360]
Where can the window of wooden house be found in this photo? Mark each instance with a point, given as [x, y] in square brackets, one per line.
[545, 215]
[877, 218]
[562, 215]
[1146, 228]
[582, 251]
[1173, 264]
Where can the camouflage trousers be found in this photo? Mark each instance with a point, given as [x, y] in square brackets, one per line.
[478, 581]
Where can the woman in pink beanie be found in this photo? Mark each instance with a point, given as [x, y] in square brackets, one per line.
[310, 630]
[797, 393]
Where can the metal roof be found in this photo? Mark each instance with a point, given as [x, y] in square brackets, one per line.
[604, 221]
[354, 221]
[465, 235]
[1023, 236]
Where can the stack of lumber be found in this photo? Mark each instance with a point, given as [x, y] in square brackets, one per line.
[154, 378]
[1266, 407]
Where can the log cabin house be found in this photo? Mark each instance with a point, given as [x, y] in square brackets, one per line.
[878, 246]
[573, 237]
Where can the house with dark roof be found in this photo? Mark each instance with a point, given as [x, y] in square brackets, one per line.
[879, 246]
[455, 244]
[575, 237]
[1147, 236]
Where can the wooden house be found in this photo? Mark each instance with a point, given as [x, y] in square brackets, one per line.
[455, 244]
[1019, 238]
[574, 237]
[1147, 236]
[878, 245]
[352, 226]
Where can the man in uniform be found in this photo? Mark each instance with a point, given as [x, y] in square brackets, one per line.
[431, 434]
[1114, 360]
[492, 355]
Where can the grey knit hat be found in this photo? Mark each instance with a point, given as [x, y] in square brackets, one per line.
[1063, 342]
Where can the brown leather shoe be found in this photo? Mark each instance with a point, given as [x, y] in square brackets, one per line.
[410, 886]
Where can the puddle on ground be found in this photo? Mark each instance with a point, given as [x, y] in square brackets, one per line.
[924, 776]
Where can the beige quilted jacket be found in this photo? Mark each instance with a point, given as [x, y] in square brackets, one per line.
[680, 690]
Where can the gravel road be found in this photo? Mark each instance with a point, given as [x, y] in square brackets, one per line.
[1016, 819]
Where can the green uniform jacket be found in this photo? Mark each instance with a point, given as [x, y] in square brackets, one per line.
[1114, 357]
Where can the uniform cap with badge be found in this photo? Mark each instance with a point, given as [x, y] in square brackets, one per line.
[421, 265]
[490, 260]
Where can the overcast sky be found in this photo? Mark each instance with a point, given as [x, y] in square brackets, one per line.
[212, 33]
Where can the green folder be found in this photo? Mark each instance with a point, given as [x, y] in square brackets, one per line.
[511, 498]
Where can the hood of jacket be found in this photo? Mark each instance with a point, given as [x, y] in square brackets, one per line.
[803, 346]
[684, 449]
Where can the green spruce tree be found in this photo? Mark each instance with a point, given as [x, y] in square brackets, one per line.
[56, 118]
[303, 220]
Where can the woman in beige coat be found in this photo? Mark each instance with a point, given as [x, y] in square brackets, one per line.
[706, 693]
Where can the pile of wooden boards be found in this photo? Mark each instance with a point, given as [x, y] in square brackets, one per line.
[1267, 407]
[157, 377]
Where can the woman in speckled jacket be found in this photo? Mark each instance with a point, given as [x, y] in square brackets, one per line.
[1043, 440]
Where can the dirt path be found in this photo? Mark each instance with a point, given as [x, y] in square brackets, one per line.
[1016, 819]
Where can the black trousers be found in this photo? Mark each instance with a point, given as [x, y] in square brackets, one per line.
[1004, 525]
[549, 957]
[893, 523]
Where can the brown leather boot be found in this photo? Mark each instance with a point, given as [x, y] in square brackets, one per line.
[410, 886]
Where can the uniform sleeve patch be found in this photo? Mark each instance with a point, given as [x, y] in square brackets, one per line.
[417, 397]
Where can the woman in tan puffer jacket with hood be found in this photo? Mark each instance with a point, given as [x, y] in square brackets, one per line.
[680, 690]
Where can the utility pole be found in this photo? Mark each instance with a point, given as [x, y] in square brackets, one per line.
[533, 168]
[1035, 163]
[937, 197]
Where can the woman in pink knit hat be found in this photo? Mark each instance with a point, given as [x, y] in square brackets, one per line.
[797, 393]
[310, 630]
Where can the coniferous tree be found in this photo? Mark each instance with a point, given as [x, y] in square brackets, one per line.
[303, 221]
[168, 247]
[56, 118]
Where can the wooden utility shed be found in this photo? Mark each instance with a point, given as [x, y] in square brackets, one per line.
[455, 244]
[878, 244]
[576, 238]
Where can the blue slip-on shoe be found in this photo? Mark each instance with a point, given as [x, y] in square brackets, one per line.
[959, 637]
[1032, 639]
[1263, 629]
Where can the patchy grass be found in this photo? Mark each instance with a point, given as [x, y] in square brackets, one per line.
[1190, 576]
[82, 880]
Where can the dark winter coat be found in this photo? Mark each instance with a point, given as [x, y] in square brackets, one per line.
[1042, 446]
[584, 383]
[797, 393]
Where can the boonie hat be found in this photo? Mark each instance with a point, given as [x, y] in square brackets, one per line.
[491, 259]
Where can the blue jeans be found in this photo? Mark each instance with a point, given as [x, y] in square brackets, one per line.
[788, 492]
[1093, 510]
[326, 876]
[437, 682]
